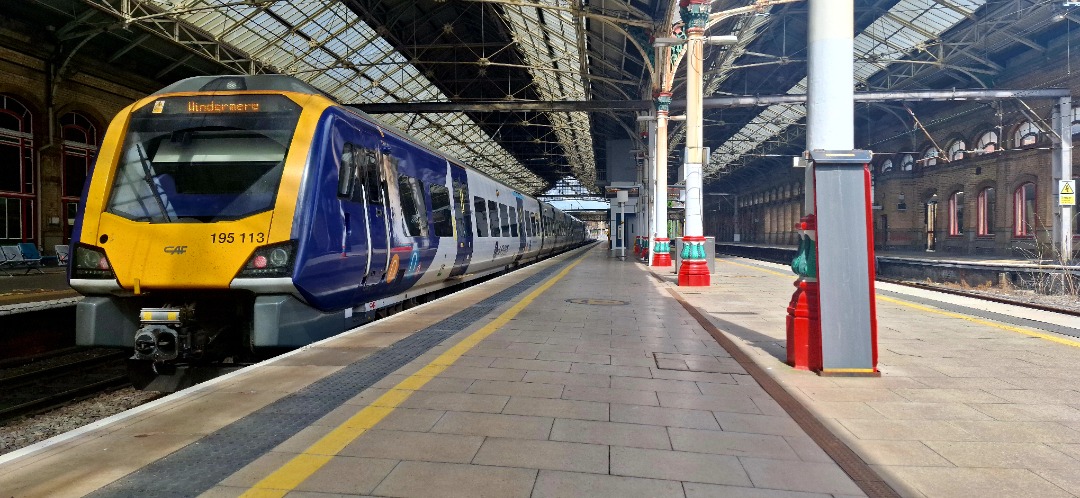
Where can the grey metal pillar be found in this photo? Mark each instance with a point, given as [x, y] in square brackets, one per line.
[1062, 170]
[840, 189]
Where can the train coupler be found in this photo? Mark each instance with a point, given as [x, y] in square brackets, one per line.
[158, 337]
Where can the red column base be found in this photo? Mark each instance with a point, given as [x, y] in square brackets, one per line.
[694, 273]
[662, 258]
[804, 327]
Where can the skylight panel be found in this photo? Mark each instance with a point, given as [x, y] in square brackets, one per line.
[310, 48]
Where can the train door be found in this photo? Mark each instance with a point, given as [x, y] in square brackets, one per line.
[545, 230]
[519, 215]
[354, 232]
[374, 190]
[462, 220]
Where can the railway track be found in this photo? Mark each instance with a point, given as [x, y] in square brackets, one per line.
[980, 295]
[783, 256]
[47, 381]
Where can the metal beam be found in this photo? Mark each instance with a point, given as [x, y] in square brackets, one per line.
[767, 100]
[709, 103]
[506, 106]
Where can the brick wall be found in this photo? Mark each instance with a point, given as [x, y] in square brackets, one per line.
[25, 79]
[901, 224]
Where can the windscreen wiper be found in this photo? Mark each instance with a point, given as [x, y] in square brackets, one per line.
[149, 178]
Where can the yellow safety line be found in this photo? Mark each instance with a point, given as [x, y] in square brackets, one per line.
[295, 471]
[980, 321]
[950, 314]
[758, 268]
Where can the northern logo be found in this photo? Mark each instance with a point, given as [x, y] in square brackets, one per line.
[175, 250]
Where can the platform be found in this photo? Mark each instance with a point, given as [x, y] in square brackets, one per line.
[21, 292]
[586, 375]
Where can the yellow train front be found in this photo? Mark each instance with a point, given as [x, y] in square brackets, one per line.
[189, 218]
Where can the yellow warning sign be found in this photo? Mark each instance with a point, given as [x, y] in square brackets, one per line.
[1066, 192]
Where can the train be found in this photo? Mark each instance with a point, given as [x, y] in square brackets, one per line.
[230, 217]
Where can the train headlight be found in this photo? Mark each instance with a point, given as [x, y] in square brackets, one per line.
[91, 262]
[270, 261]
[279, 257]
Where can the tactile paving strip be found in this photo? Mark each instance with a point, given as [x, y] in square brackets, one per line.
[208, 461]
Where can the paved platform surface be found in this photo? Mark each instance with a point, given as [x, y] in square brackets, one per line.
[603, 384]
[22, 291]
[975, 398]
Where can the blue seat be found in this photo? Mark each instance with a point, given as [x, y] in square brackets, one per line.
[24, 255]
[5, 263]
[62, 251]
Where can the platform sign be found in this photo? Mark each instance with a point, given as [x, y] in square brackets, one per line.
[1066, 192]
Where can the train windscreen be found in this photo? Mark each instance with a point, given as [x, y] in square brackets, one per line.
[203, 158]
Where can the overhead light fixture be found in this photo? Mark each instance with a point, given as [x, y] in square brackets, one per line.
[669, 41]
[721, 40]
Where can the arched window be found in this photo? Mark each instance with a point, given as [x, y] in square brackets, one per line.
[79, 150]
[907, 162]
[16, 171]
[988, 142]
[80, 147]
[929, 158]
[873, 182]
[956, 150]
[1026, 134]
[956, 213]
[887, 166]
[987, 205]
[1024, 213]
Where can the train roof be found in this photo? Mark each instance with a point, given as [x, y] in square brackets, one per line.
[230, 83]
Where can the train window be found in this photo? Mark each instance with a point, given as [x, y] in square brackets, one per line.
[493, 219]
[481, 217]
[179, 165]
[368, 171]
[413, 207]
[346, 171]
[513, 222]
[441, 215]
[505, 218]
[464, 209]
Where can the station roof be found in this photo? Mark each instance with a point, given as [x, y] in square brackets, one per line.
[531, 91]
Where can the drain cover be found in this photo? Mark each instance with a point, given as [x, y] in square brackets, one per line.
[597, 302]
